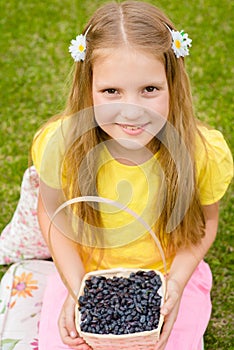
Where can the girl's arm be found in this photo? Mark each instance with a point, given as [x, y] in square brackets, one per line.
[64, 249]
[70, 265]
[183, 266]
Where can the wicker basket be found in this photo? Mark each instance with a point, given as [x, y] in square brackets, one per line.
[141, 340]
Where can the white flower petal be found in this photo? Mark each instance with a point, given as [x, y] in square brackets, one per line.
[180, 43]
[78, 48]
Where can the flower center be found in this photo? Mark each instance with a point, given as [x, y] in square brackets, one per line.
[21, 286]
[177, 44]
[81, 48]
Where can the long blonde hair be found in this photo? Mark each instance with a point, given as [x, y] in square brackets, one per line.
[143, 27]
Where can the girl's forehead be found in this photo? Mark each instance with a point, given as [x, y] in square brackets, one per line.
[124, 65]
[124, 53]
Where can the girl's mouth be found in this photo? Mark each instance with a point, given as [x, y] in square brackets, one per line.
[132, 129]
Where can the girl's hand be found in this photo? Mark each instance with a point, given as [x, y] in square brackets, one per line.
[67, 326]
[169, 310]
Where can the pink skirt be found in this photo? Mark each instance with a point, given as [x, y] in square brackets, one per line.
[188, 330]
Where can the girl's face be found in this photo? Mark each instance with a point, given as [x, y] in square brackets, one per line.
[130, 96]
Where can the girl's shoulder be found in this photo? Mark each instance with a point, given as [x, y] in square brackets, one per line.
[47, 130]
[213, 138]
[47, 151]
[214, 164]
[211, 146]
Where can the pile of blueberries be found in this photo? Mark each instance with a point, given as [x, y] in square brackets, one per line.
[121, 305]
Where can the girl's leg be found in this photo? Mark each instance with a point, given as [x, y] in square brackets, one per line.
[194, 313]
[191, 323]
[54, 297]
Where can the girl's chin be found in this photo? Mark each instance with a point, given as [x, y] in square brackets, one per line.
[130, 145]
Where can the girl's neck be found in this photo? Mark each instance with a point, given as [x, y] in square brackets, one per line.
[128, 156]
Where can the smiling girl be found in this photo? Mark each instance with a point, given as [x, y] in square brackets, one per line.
[129, 133]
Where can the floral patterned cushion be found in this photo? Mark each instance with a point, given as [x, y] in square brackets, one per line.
[22, 238]
[21, 295]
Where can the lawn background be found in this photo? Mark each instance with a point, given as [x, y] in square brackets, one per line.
[34, 66]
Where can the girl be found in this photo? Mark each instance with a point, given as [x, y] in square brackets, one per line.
[129, 133]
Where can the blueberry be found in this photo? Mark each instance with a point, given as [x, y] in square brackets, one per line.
[120, 305]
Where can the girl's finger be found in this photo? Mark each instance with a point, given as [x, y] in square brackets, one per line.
[170, 303]
[62, 326]
[71, 329]
[82, 347]
[70, 320]
[169, 321]
[69, 338]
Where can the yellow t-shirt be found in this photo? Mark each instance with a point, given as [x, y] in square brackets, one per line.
[127, 243]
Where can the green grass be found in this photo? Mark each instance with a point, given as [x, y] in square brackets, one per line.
[34, 65]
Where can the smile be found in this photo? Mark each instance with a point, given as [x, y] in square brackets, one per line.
[132, 129]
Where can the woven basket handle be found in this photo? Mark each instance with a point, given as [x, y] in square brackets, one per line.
[107, 201]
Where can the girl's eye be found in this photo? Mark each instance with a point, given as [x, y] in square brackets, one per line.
[150, 89]
[110, 91]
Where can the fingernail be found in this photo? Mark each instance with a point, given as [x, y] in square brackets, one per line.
[72, 334]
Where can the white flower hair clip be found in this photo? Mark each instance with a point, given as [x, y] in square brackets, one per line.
[78, 47]
[180, 42]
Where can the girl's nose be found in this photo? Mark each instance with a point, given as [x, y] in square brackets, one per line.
[131, 111]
